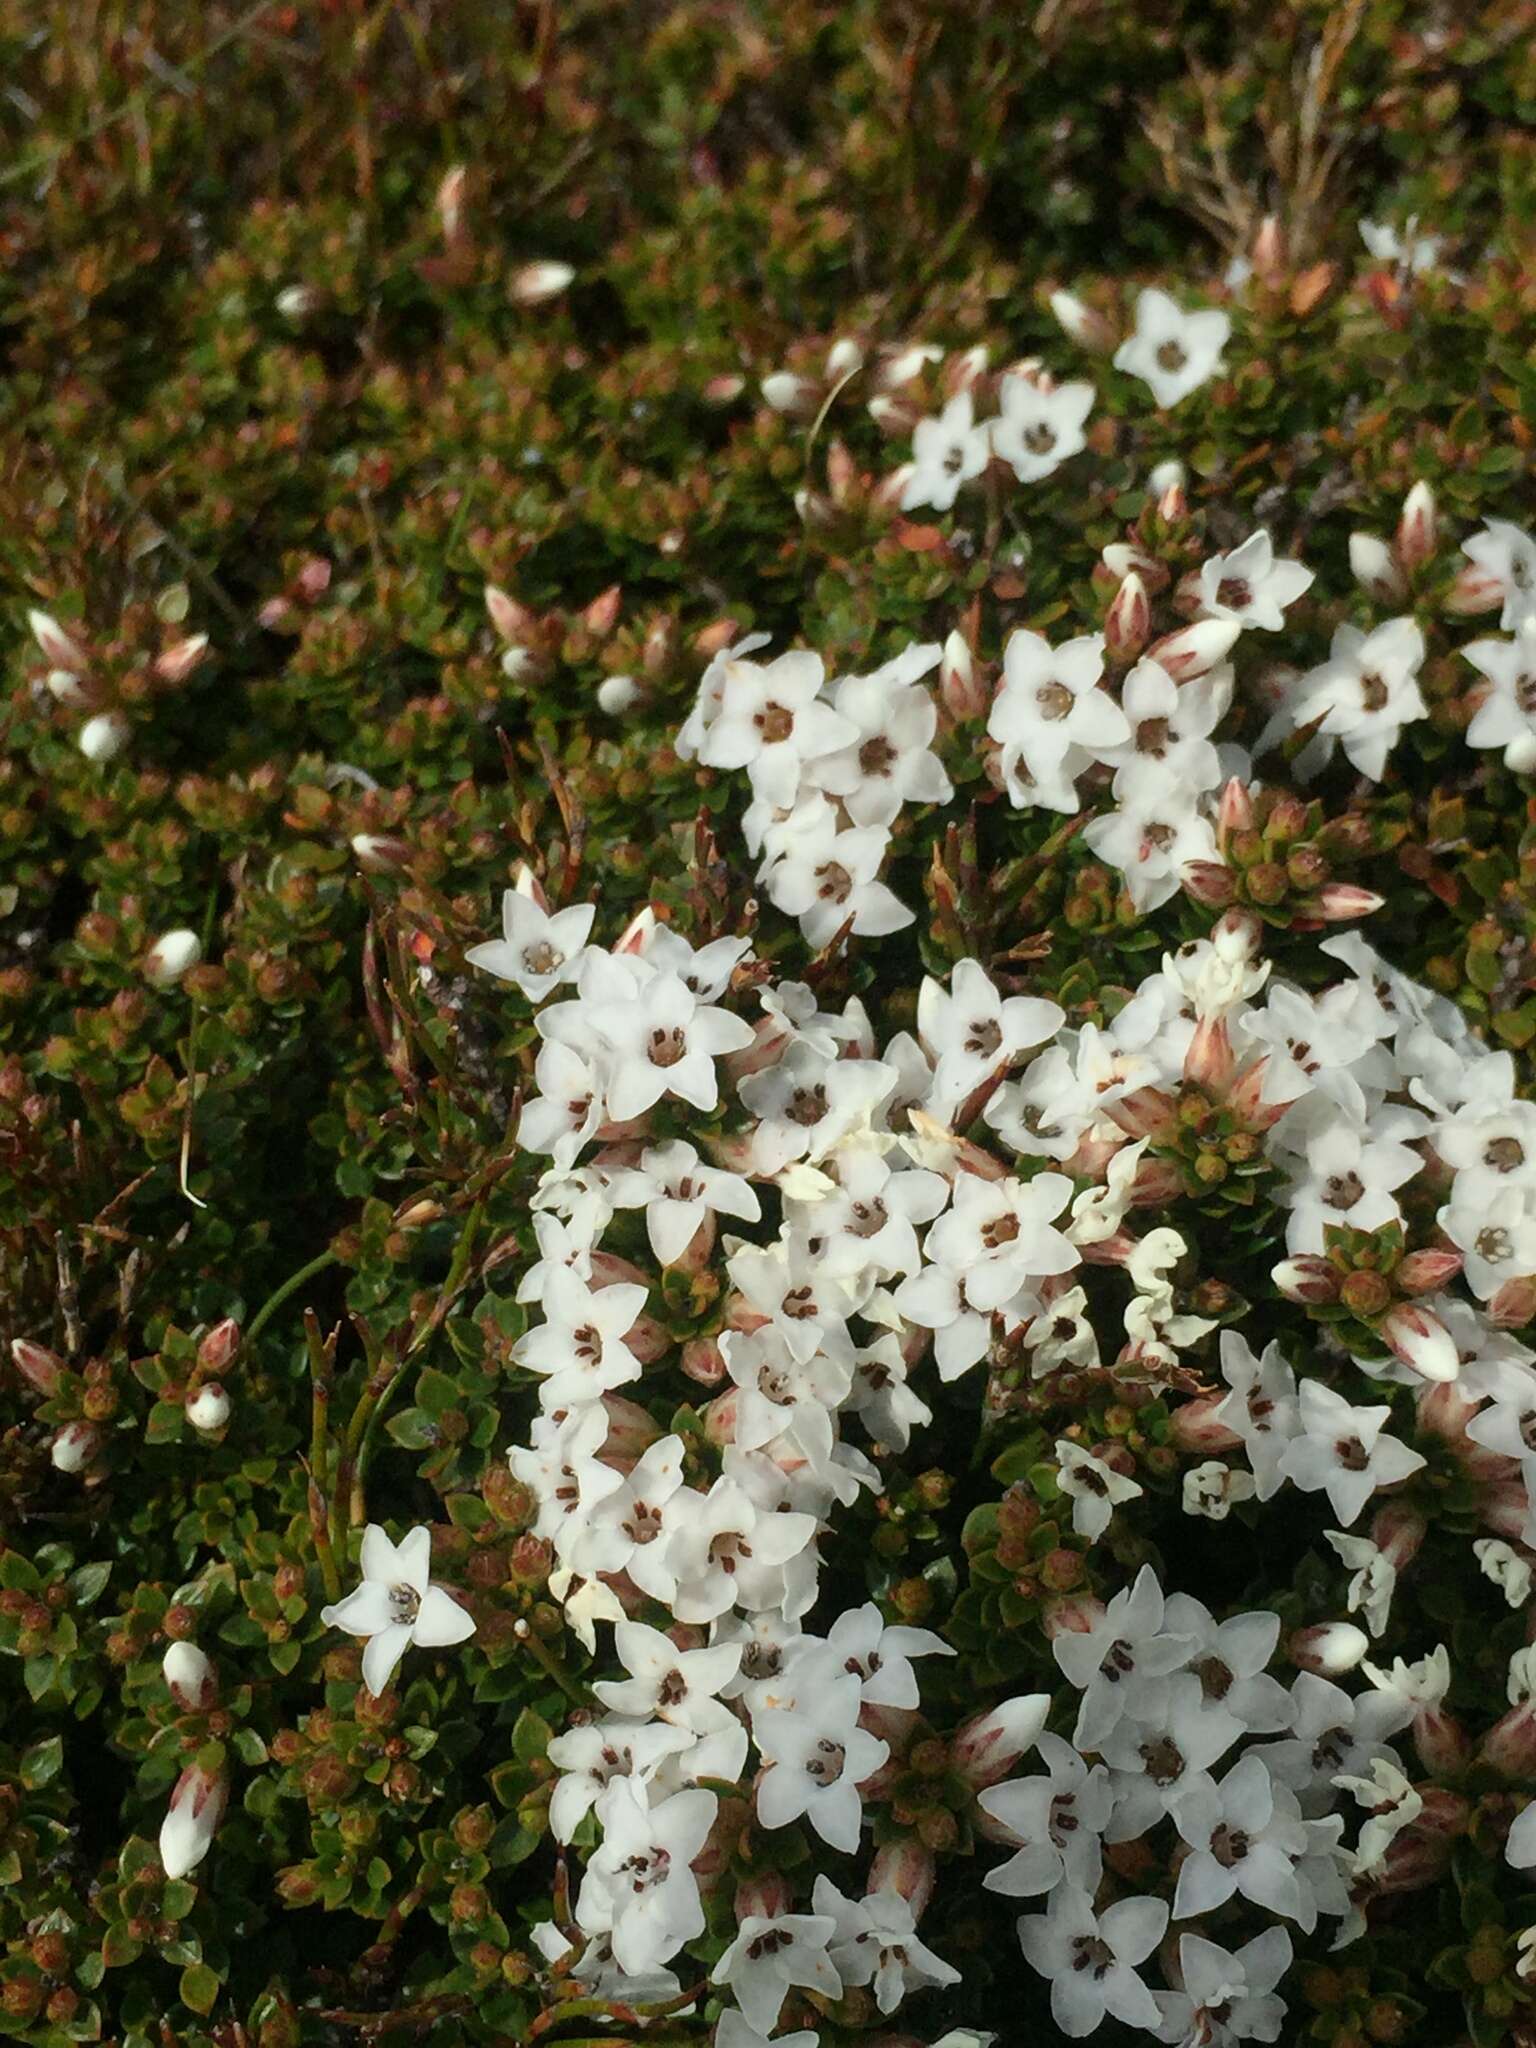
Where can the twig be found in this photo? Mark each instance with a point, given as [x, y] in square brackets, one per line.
[291, 1285]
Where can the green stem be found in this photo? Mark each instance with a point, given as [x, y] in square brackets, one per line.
[290, 1286]
[552, 1667]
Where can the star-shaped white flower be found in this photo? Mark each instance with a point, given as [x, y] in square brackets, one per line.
[397, 1605]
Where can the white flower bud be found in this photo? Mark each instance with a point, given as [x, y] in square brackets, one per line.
[189, 1673]
[56, 644]
[536, 282]
[192, 1820]
[74, 1447]
[103, 737]
[844, 358]
[786, 392]
[1167, 476]
[616, 694]
[64, 685]
[208, 1409]
[170, 957]
[294, 301]
[1374, 566]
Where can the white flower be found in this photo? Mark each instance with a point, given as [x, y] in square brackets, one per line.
[890, 761]
[1365, 692]
[817, 1756]
[1375, 1578]
[1050, 701]
[947, 452]
[1214, 1489]
[664, 1041]
[1506, 710]
[1520, 1848]
[1509, 1571]
[1343, 1451]
[396, 1605]
[880, 1654]
[735, 2030]
[580, 1346]
[1392, 1805]
[1057, 1821]
[875, 1941]
[538, 948]
[172, 955]
[1414, 251]
[1246, 1836]
[639, 1886]
[1151, 840]
[680, 1686]
[1094, 1488]
[971, 1032]
[1091, 1958]
[1170, 728]
[1039, 424]
[678, 1191]
[1173, 351]
[827, 874]
[1121, 1664]
[1505, 556]
[770, 1954]
[1262, 1407]
[1251, 585]
[726, 1552]
[1226, 1997]
[771, 720]
[589, 1757]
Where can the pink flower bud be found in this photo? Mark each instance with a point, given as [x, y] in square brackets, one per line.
[178, 662]
[1328, 1648]
[1073, 1614]
[906, 1867]
[631, 1431]
[895, 416]
[704, 1361]
[1445, 1410]
[638, 933]
[1509, 1747]
[1423, 1343]
[1421, 1854]
[192, 1820]
[1426, 1271]
[1514, 1305]
[380, 854]
[512, 620]
[1157, 1181]
[602, 614]
[1268, 254]
[1475, 590]
[960, 690]
[764, 1896]
[1195, 1428]
[1444, 1746]
[1194, 650]
[1234, 813]
[1209, 1062]
[57, 645]
[1173, 505]
[219, 1345]
[1143, 1113]
[1309, 1278]
[1128, 621]
[1082, 323]
[1336, 901]
[1505, 1508]
[1374, 567]
[1416, 529]
[719, 1417]
[191, 1677]
[40, 1368]
[1397, 1530]
[986, 1748]
[450, 203]
[1209, 883]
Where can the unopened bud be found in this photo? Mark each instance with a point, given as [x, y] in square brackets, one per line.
[219, 1346]
[56, 644]
[1374, 567]
[192, 1820]
[1417, 528]
[618, 694]
[987, 1747]
[1194, 1426]
[208, 1409]
[1337, 901]
[189, 1673]
[1308, 1278]
[178, 662]
[1423, 1343]
[1475, 589]
[39, 1367]
[764, 1896]
[450, 203]
[785, 392]
[171, 956]
[378, 853]
[297, 301]
[959, 687]
[1514, 1304]
[1194, 650]
[1426, 1271]
[104, 737]
[906, 1867]
[1209, 883]
[1328, 1648]
[1128, 621]
[74, 1447]
[1082, 322]
[844, 358]
[533, 283]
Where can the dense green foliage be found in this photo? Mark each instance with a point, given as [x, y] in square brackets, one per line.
[269, 380]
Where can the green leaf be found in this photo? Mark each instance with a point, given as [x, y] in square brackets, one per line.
[199, 1988]
[42, 1762]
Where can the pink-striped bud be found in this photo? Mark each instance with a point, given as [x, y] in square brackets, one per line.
[1397, 1530]
[1421, 1854]
[1074, 1614]
[57, 645]
[1328, 1648]
[602, 614]
[704, 1362]
[74, 1447]
[631, 1431]
[1509, 1747]
[380, 853]
[1195, 1428]
[1423, 1343]
[1157, 1182]
[1445, 1410]
[892, 415]
[1514, 1305]
[1209, 1062]
[1505, 1508]
[1082, 322]
[719, 1417]
[1194, 650]
[1128, 621]
[1426, 1270]
[905, 1867]
[1234, 813]
[1209, 883]
[1336, 901]
[1475, 590]
[648, 1339]
[513, 621]
[1245, 1098]
[764, 1896]
[1444, 1746]
[176, 663]
[1268, 255]
[535, 282]
[190, 1675]
[986, 1748]
[192, 1819]
[1173, 505]
[1417, 529]
[1143, 1113]
[39, 1367]
[219, 1345]
[960, 690]
[639, 932]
